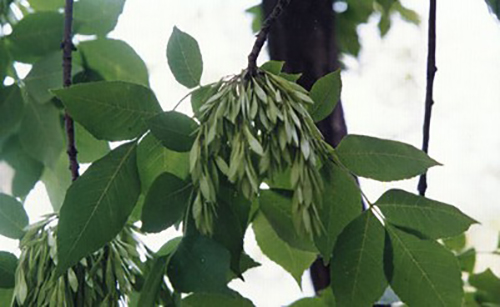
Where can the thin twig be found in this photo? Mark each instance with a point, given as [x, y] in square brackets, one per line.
[68, 48]
[262, 36]
[429, 100]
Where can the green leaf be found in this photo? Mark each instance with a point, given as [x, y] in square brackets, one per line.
[292, 260]
[27, 170]
[175, 130]
[8, 264]
[341, 204]
[256, 12]
[112, 110]
[456, 243]
[166, 203]
[97, 205]
[57, 180]
[168, 248]
[357, 269]
[36, 35]
[232, 221]
[41, 133]
[382, 160]
[154, 159]
[96, 16]
[46, 74]
[13, 218]
[184, 58]
[152, 285]
[274, 67]
[246, 263]
[215, 300]
[6, 296]
[326, 94]
[114, 60]
[277, 208]
[11, 109]
[200, 96]
[309, 302]
[487, 284]
[467, 260]
[199, 265]
[4, 59]
[89, 148]
[431, 218]
[46, 5]
[413, 263]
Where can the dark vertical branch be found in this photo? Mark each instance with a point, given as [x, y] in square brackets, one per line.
[263, 34]
[67, 46]
[429, 100]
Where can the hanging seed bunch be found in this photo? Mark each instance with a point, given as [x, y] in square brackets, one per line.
[106, 277]
[253, 128]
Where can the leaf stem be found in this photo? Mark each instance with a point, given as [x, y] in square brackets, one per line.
[68, 47]
[429, 101]
[262, 36]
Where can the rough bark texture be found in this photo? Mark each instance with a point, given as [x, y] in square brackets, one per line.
[304, 37]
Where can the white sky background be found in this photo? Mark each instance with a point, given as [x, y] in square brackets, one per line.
[383, 96]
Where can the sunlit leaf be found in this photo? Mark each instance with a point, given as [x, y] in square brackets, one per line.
[97, 205]
[13, 218]
[382, 160]
[431, 218]
[357, 269]
[111, 110]
[274, 67]
[46, 5]
[292, 260]
[57, 179]
[184, 58]
[412, 263]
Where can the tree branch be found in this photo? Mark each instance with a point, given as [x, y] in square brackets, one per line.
[262, 36]
[429, 101]
[68, 48]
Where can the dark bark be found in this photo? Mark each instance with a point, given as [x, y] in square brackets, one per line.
[429, 100]
[304, 37]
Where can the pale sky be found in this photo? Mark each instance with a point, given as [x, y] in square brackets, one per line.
[383, 96]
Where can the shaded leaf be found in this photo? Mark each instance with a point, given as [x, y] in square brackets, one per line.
[97, 205]
[96, 16]
[456, 243]
[46, 5]
[413, 263]
[246, 263]
[184, 58]
[488, 284]
[382, 160]
[114, 60]
[8, 264]
[112, 110]
[27, 171]
[292, 260]
[277, 208]
[36, 35]
[154, 159]
[6, 296]
[431, 218]
[41, 133]
[341, 204]
[11, 109]
[175, 130]
[467, 260]
[46, 74]
[326, 94]
[168, 248]
[357, 269]
[13, 218]
[215, 300]
[57, 180]
[309, 302]
[256, 12]
[89, 148]
[4, 59]
[199, 265]
[152, 286]
[166, 202]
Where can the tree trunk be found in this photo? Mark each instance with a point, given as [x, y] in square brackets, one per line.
[304, 37]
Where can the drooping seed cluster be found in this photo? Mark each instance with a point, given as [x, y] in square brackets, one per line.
[254, 128]
[108, 274]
